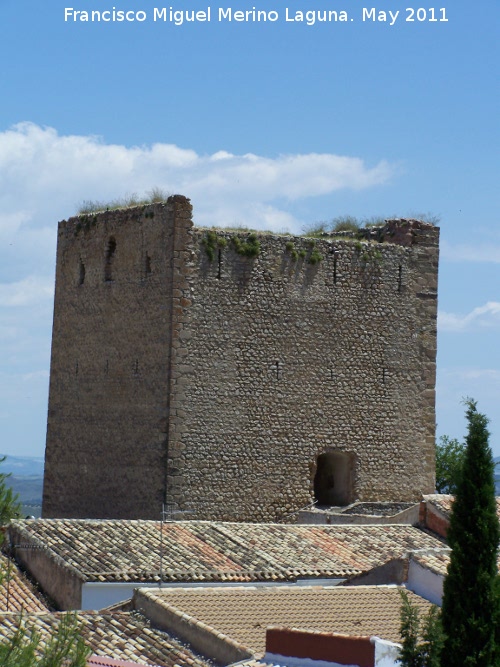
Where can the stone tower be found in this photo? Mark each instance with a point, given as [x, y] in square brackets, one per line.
[237, 376]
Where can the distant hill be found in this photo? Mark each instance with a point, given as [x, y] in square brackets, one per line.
[26, 480]
[22, 465]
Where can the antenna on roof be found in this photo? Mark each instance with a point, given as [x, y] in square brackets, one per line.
[168, 511]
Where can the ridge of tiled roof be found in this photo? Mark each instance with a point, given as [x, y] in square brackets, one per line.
[121, 636]
[16, 591]
[208, 551]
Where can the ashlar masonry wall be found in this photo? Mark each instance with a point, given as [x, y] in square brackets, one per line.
[237, 387]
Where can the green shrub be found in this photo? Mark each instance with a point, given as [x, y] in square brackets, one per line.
[345, 223]
[315, 257]
[10, 508]
[450, 455]
[374, 221]
[290, 248]
[248, 248]
[315, 229]
[211, 241]
[153, 196]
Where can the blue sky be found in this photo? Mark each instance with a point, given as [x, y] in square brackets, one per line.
[274, 125]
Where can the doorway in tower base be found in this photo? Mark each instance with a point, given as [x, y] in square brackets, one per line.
[334, 478]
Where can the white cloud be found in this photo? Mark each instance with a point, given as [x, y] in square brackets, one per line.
[10, 222]
[50, 174]
[470, 252]
[44, 176]
[480, 317]
[27, 292]
[456, 383]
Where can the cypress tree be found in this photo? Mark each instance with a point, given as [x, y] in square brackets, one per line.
[470, 600]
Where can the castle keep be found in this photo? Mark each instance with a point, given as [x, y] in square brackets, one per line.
[238, 377]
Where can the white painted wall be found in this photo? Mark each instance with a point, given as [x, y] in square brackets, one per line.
[386, 653]
[288, 661]
[425, 583]
[97, 595]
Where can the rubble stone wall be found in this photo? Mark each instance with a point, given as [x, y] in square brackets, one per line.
[214, 380]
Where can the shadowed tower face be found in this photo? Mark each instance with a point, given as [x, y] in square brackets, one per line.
[231, 384]
[107, 439]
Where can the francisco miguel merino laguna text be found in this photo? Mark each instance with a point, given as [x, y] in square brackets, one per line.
[179, 16]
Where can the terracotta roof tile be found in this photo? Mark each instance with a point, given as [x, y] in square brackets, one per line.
[121, 636]
[214, 551]
[244, 613]
[100, 661]
[435, 560]
[16, 592]
[443, 502]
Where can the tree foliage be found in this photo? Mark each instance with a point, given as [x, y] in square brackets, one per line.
[470, 600]
[432, 639]
[64, 648]
[24, 648]
[10, 507]
[421, 642]
[410, 626]
[450, 455]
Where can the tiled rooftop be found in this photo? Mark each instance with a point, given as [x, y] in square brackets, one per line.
[443, 502]
[120, 636]
[207, 551]
[16, 592]
[435, 560]
[244, 613]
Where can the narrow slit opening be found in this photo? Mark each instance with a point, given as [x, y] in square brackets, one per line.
[110, 253]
